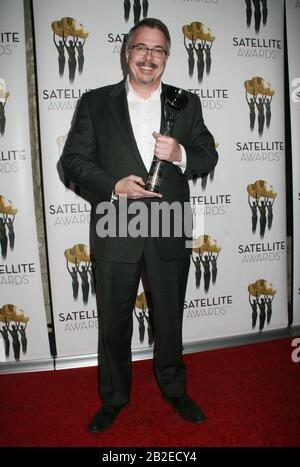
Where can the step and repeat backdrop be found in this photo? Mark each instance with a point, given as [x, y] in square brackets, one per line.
[23, 326]
[237, 282]
[238, 277]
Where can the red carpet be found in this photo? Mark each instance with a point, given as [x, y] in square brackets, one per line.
[250, 395]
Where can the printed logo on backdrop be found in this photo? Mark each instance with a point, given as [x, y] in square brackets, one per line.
[62, 99]
[252, 47]
[198, 40]
[260, 151]
[261, 296]
[208, 307]
[9, 42]
[261, 198]
[211, 99]
[7, 232]
[4, 94]
[205, 253]
[259, 103]
[144, 318]
[70, 213]
[10, 160]
[69, 38]
[137, 7]
[14, 330]
[257, 47]
[78, 265]
[82, 288]
[118, 40]
[256, 13]
[211, 205]
[258, 96]
[14, 274]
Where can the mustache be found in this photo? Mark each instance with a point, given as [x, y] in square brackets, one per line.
[149, 64]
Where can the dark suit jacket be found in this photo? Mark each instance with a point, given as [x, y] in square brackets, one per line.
[101, 149]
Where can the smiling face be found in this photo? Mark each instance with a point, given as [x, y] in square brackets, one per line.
[145, 70]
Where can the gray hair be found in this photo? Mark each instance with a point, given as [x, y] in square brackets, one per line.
[152, 23]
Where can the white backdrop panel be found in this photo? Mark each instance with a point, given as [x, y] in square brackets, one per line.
[22, 313]
[251, 159]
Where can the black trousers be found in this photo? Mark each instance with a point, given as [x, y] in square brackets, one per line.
[118, 287]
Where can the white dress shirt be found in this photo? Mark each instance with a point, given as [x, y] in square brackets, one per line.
[145, 116]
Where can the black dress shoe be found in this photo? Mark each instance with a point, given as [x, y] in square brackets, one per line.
[103, 419]
[186, 408]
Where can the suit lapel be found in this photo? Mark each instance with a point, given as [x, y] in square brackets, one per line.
[162, 117]
[120, 112]
[178, 120]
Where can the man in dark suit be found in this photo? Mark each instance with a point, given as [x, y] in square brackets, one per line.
[108, 152]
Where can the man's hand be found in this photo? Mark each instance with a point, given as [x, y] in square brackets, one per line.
[132, 187]
[166, 148]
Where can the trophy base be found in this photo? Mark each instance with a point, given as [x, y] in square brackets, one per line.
[153, 189]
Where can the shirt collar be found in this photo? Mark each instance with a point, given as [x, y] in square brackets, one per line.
[133, 95]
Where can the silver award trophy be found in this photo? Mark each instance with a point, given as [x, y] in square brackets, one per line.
[175, 101]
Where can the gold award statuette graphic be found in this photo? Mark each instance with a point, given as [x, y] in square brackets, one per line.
[14, 328]
[198, 40]
[79, 266]
[7, 233]
[205, 252]
[261, 198]
[259, 95]
[261, 296]
[4, 94]
[69, 36]
[142, 304]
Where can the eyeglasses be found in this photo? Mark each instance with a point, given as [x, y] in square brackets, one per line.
[142, 50]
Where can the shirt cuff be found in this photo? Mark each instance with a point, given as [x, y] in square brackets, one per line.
[182, 163]
[114, 197]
